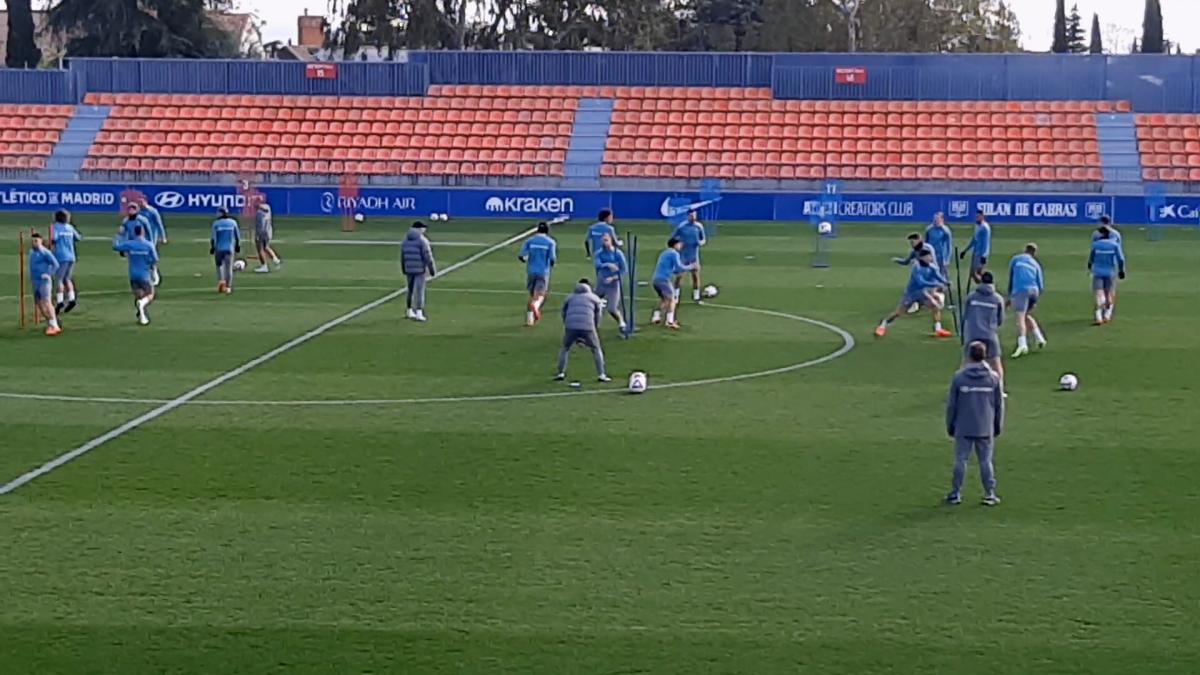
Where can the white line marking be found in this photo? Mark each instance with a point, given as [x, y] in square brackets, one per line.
[178, 401]
[388, 242]
[848, 343]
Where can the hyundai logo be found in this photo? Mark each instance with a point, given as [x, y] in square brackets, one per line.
[169, 199]
[328, 202]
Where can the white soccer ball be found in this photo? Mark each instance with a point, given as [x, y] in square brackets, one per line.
[1068, 382]
[710, 291]
[638, 382]
[239, 265]
[444, 217]
[825, 227]
[358, 217]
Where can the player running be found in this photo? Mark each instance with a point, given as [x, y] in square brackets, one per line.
[602, 226]
[264, 232]
[691, 233]
[983, 314]
[42, 268]
[980, 246]
[670, 266]
[1025, 286]
[1106, 263]
[923, 287]
[226, 241]
[941, 238]
[64, 236]
[142, 257]
[1113, 233]
[157, 234]
[611, 268]
[539, 253]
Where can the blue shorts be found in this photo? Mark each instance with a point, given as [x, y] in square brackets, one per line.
[66, 271]
[142, 286]
[1106, 284]
[1025, 301]
[41, 289]
[920, 298]
[665, 289]
[611, 294]
[978, 263]
[689, 256]
[537, 283]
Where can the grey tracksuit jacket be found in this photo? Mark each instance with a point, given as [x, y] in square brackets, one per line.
[975, 406]
[983, 313]
[582, 309]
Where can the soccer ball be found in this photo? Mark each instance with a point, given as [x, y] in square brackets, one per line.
[358, 217]
[1068, 382]
[239, 265]
[825, 227]
[638, 382]
[444, 217]
[710, 291]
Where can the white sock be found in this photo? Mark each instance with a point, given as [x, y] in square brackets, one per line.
[937, 325]
[695, 293]
[676, 293]
[71, 295]
[528, 317]
[883, 324]
[1023, 342]
[275, 260]
[141, 304]
[1099, 314]
[671, 317]
[59, 297]
[657, 315]
[53, 323]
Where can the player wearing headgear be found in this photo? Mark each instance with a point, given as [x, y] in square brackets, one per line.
[924, 282]
[1025, 286]
[42, 268]
[670, 266]
[64, 236]
[142, 257]
[226, 241]
[602, 226]
[980, 246]
[539, 253]
[264, 233]
[1107, 264]
[691, 233]
[611, 268]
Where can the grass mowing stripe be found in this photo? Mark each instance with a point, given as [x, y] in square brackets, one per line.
[30, 476]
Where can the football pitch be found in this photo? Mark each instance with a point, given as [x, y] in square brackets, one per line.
[383, 496]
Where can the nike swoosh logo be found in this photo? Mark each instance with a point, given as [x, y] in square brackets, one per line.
[669, 211]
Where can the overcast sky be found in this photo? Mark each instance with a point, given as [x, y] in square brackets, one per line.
[1121, 19]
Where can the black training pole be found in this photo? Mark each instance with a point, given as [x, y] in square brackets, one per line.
[958, 306]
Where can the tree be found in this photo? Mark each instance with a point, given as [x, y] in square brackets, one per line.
[1097, 44]
[849, 10]
[22, 50]
[1060, 44]
[1075, 43]
[140, 28]
[1152, 28]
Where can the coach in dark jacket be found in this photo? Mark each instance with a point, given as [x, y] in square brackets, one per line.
[416, 257]
[974, 418]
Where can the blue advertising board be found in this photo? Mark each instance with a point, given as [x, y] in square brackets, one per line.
[1046, 208]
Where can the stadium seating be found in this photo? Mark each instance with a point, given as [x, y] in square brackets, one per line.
[28, 134]
[455, 131]
[1170, 147]
[693, 133]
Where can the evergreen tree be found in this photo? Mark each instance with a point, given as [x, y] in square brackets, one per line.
[140, 28]
[1152, 28]
[22, 46]
[1097, 44]
[1060, 45]
[1075, 44]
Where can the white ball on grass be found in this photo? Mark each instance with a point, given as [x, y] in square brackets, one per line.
[710, 291]
[1068, 382]
[239, 265]
[358, 217]
[638, 382]
[825, 227]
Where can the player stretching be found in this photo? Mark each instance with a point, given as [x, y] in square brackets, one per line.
[157, 232]
[1106, 261]
[602, 226]
[64, 235]
[980, 246]
[225, 242]
[264, 232]
[918, 246]
[670, 265]
[42, 268]
[539, 253]
[142, 257]
[691, 233]
[1025, 286]
[610, 270]
[923, 284]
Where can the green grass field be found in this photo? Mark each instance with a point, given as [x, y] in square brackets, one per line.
[788, 523]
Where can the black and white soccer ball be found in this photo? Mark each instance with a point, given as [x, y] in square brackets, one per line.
[710, 291]
[1068, 382]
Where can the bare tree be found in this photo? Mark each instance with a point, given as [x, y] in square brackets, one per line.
[849, 10]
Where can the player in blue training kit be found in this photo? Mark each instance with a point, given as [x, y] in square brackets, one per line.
[924, 287]
[602, 226]
[1025, 287]
[142, 257]
[917, 248]
[133, 220]
[670, 265]
[225, 243]
[157, 232]
[980, 246]
[941, 239]
[539, 253]
[64, 236]
[611, 268]
[42, 268]
[1113, 234]
[691, 233]
[1106, 263]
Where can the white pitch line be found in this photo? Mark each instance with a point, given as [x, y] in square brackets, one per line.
[848, 343]
[178, 401]
[388, 242]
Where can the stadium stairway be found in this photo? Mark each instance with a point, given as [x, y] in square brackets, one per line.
[1119, 154]
[67, 159]
[585, 154]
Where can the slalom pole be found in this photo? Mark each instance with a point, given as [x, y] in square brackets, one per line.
[958, 306]
[21, 273]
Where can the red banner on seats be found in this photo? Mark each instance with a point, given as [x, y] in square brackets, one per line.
[850, 75]
[321, 71]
